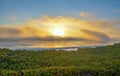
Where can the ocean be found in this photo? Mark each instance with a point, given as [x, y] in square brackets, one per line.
[43, 45]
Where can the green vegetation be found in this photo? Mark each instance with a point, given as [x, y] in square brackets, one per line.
[100, 61]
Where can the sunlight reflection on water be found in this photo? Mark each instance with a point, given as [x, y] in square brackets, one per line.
[46, 44]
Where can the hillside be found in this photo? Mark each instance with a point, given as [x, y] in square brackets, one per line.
[100, 61]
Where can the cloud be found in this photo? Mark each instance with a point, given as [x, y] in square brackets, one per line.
[13, 18]
[86, 15]
[20, 31]
[95, 36]
[75, 30]
[9, 32]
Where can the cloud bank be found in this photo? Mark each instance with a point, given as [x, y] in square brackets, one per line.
[75, 29]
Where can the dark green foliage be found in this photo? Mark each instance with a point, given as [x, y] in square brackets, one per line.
[100, 61]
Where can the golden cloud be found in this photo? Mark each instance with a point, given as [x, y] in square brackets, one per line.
[75, 29]
[86, 15]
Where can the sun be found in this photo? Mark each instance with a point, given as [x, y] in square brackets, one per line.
[58, 31]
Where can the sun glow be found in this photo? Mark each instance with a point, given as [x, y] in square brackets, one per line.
[58, 31]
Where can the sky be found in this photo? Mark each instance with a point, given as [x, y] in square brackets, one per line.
[31, 9]
[95, 21]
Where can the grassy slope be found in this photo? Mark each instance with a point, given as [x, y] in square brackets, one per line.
[90, 61]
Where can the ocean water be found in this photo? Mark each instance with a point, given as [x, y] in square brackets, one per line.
[40, 45]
